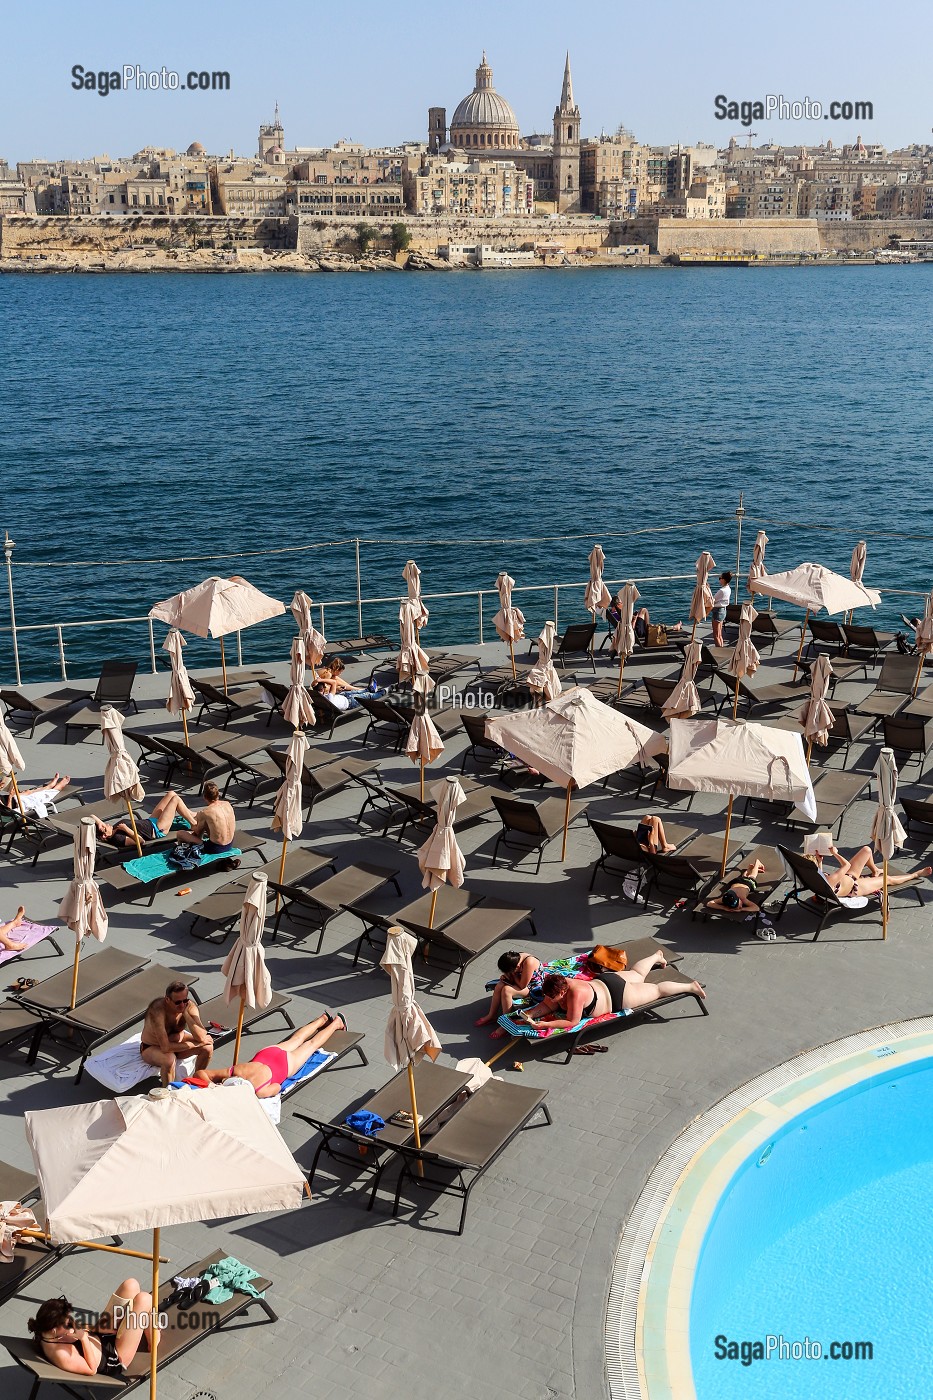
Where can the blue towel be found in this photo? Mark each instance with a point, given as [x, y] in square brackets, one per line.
[149, 868]
[369, 1124]
[315, 1061]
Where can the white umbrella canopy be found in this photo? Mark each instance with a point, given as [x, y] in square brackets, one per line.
[702, 600]
[509, 621]
[440, 859]
[130, 1164]
[684, 699]
[82, 908]
[543, 677]
[217, 607]
[575, 739]
[297, 709]
[180, 694]
[597, 595]
[887, 833]
[314, 641]
[857, 562]
[739, 759]
[246, 976]
[757, 567]
[412, 576]
[815, 716]
[287, 809]
[412, 658]
[816, 588]
[409, 1034]
[121, 775]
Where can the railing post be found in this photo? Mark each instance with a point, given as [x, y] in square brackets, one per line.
[8, 547]
[739, 517]
[61, 651]
[480, 596]
[556, 604]
[152, 655]
[359, 592]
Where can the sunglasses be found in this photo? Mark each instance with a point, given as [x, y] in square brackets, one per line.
[180, 1001]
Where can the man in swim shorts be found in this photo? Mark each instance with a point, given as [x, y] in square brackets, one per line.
[173, 1031]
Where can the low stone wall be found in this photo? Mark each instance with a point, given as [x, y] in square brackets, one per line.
[766, 237]
[55, 236]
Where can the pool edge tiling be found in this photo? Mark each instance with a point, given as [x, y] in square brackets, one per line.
[648, 1317]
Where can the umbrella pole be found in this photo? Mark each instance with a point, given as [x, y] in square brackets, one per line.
[433, 908]
[153, 1330]
[422, 780]
[278, 893]
[414, 1112]
[499, 1053]
[184, 725]
[139, 844]
[239, 1030]
[19, 800]
[512, 657]
[94, 1244]
[725, 843]
[803, 638]
[809, 751]
[884, 901]
[621, 669]
[563, 849]
[916, 688]
[74, 973]
[735, 700]
[223, 664]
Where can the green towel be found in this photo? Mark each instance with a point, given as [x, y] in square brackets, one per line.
[229, 1276]
[149, 868]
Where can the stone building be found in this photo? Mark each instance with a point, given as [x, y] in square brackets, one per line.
[444, 186]
[484, 125]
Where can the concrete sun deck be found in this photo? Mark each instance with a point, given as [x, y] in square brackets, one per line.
[375, 1307]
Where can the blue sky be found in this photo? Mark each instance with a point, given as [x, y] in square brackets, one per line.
[369, 71]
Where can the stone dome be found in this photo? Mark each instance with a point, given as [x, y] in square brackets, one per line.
[195, 149]
[484, 118]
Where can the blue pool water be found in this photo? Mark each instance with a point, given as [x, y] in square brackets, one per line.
[826, 1236]
[151, 417]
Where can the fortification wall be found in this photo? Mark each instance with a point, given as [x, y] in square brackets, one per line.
[30, 236]
[672, 237]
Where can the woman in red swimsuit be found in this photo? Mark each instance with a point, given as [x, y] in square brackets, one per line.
[268, 1070]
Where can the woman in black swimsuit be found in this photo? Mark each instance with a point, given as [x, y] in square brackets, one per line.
[105, 1349]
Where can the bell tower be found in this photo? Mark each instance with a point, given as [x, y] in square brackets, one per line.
[566, 158]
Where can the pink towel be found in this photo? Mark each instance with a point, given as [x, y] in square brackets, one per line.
[27, 933]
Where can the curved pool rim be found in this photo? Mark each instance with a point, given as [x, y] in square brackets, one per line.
[648, 1316]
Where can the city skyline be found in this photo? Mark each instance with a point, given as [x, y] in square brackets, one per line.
[375, 90]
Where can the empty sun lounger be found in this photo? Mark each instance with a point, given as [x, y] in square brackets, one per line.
[835, 792]
[228, 704]
[918, 812]
[865, 641]
[96, 972]
[529, 825]
[355, 646]
[178, 1337]
[436, 1087]
[410, 808]
[910, 736]
[24, 709]
[566, 1039]
[894, 688]
[324, 779]
[467, 1145]
[471, 933]
[220, 911]
[768, 627]
[317, 906]
[759, 698]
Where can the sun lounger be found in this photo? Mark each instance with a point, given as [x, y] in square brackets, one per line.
[96, 972]
[231, 705]
[835, 792]
[355, 646]
[220, 911]
[577, 640]
[848, 729]
[34, 834]
[178, 1337]
[30, 934]
[531, 825]
[812, 893]
[759, 697]
[827, 635]
[326, 778]
[234, 678]
[436, 1087]
[768, 627]
[566, 1040]
[910, 736]
[98, 1018]
[866, 640]
[154, 873]
[894, 688]
[467, 1145]
[328, 715]
[687, 872]
[17, 1024]
[450, 904]
[770, 879]
[316, 907]
[918, 812]
[422, 812]
[383, 715]
[23, 709]
[468, 935]
[620, 844]
[922, 704]
[114, 687]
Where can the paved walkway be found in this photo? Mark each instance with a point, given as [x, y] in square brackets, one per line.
[372, 1307]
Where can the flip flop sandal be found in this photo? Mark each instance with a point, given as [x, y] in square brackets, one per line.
[18, 986]
[599, 1049]
[582, 1050]
[333, 1016]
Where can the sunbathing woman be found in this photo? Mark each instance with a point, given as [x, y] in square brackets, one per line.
[570, 1000]
[522, 975]
[106, 1349]
[849, 881]
[268, 1070]
[737, 894]
[36, 801]
[649, 833]
[8, 944]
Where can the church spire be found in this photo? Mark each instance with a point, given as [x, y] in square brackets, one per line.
[566, 95]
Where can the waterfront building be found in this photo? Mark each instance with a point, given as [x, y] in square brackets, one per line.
[613, 176]
[441, 186]
[250, 189]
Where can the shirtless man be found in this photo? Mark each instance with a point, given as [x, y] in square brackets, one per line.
[215, 824]
[173, 1031]
[268, 1070]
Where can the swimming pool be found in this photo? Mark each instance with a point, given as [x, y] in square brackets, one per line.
[822, 1238]
[790, 1216]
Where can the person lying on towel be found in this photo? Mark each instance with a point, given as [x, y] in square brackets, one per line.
[570, 1000]
[105, 1349]
[8, 940]
[268, 1070]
